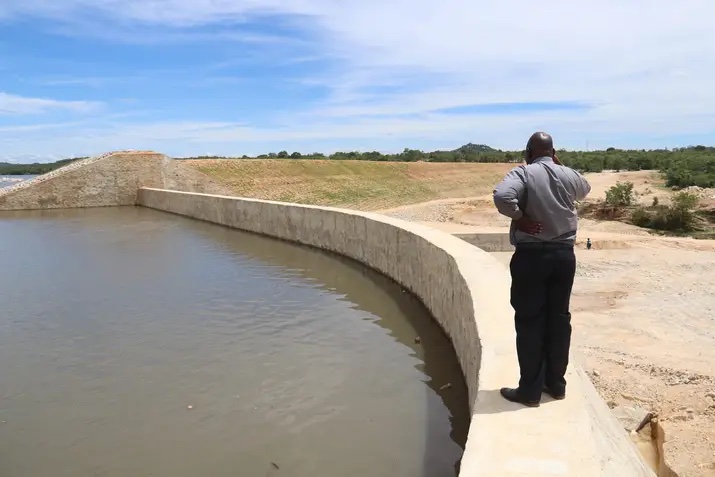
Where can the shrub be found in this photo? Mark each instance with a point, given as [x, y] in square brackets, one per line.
[641, 217]
[620, 195]
[685, 201]
[680, 216]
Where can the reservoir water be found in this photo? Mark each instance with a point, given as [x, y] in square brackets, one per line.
[137, 343]
[9, 181]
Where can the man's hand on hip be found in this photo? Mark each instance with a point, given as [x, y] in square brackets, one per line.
[528, 226]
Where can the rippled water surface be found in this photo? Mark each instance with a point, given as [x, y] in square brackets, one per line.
[137, 343]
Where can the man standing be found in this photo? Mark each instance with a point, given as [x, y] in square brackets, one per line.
[540, 198]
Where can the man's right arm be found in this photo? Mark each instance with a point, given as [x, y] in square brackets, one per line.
[508, 193]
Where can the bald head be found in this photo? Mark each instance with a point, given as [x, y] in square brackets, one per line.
[540, 144]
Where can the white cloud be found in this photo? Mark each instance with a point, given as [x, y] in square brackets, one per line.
[13, 104]
[645, 66]
[572, 129]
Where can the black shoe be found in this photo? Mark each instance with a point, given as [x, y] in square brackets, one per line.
[513, 395]
[557, 396]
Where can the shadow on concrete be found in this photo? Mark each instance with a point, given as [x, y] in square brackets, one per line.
[492, 402]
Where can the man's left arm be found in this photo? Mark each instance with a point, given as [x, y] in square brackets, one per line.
[508, 192]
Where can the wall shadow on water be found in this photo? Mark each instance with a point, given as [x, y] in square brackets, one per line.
[438, 360]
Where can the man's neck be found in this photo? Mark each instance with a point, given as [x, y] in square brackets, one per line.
[541, 159]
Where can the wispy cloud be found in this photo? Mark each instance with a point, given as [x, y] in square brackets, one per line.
[380, 73]
[180, 13]
[515, 108]
[85, 81]
[13, 104]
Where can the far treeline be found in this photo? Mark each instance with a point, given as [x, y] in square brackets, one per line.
[682, 167]
[10, 169]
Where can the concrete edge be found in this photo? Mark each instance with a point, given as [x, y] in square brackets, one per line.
[574, 437]
[488, 241]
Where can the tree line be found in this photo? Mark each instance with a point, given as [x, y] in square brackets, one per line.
[11, 169]
[682, 167]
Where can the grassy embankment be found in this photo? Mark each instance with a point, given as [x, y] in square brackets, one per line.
[359, 185]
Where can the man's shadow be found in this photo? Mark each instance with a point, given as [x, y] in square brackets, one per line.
[490, 401]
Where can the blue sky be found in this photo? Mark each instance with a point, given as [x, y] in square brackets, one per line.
[230, 77]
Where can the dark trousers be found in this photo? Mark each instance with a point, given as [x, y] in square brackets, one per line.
[541, 282]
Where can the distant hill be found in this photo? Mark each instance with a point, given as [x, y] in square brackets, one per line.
[475, 148]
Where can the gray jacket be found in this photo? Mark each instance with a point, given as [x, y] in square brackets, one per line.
[546, 192]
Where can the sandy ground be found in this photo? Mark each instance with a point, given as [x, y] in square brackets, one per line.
[643, 313]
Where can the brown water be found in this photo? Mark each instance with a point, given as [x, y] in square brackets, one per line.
[294, 362]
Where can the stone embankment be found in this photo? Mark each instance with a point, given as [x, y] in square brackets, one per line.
[50, 175]
[106, 180]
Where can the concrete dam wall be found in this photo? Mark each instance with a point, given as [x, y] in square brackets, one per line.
[467, 292]
[465, 289]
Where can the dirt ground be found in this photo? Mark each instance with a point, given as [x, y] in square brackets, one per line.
[643, 314]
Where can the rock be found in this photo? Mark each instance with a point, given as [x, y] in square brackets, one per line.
[418, 340]
[632, 418]
[596, 373]
[189, 407]
[632, 398]
[682, 417]
[446, 386]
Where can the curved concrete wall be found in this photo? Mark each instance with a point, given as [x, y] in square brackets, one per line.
[467, 291]
[489, 242]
